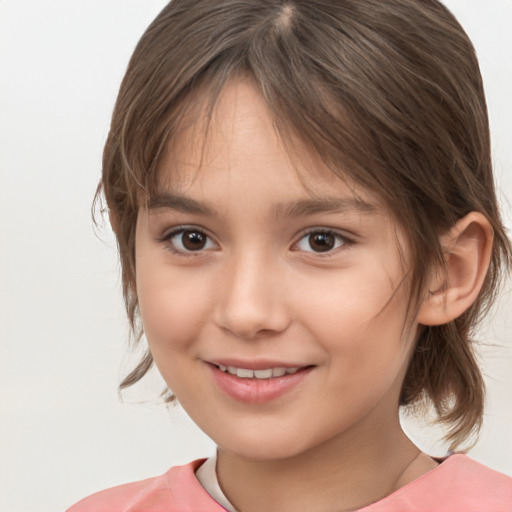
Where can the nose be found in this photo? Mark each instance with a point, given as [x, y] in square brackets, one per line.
[252, 298]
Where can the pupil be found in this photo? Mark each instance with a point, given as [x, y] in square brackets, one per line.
[322, 242]
[193, 240]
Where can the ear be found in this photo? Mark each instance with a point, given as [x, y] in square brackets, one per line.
[452, 290]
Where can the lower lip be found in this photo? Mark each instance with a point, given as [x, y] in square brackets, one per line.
[257, 391]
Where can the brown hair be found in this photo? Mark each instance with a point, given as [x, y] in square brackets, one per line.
[389, 93]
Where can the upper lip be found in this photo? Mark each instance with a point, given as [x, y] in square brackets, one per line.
[260, 364]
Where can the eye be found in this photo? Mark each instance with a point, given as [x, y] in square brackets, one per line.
[186, 240]
[321, 241]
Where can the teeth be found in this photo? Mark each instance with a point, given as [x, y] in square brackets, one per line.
[268, 373]
[263, 374]
[278, 372]
[244, 374]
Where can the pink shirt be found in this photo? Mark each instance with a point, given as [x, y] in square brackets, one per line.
[458, 484]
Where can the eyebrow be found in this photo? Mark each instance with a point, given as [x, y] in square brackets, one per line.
[300, 208]
[181, 203]
[314, 206]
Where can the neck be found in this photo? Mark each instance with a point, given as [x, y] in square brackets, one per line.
[353, 469]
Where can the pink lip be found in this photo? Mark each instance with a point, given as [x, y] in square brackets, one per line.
[257, 391]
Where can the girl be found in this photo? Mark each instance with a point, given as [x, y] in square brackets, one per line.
[303, 200]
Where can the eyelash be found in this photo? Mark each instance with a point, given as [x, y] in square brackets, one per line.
[342, 241]
[180, 230]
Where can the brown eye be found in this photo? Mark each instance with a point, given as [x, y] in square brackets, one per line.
[321, 241]
[193, 240]
[189, 240]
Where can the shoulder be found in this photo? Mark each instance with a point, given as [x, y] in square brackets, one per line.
[176, 490]
[458, 483]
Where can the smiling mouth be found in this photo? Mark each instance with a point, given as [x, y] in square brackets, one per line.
[268, 373]
[257, 386]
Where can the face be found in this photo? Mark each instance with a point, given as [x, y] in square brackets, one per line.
[271, 302]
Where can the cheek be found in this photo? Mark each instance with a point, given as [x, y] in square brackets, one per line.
[351, 302]
[358, 318]
[173, 307]
[172, 304]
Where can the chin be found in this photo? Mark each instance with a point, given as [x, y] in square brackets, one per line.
[261, 446]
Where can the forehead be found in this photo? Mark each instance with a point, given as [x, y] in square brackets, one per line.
[238, 147]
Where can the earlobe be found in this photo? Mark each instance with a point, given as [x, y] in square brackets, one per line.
[467, 248]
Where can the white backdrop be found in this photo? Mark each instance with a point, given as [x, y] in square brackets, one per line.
[63, 431]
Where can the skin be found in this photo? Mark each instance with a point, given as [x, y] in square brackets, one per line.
[258, 289]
